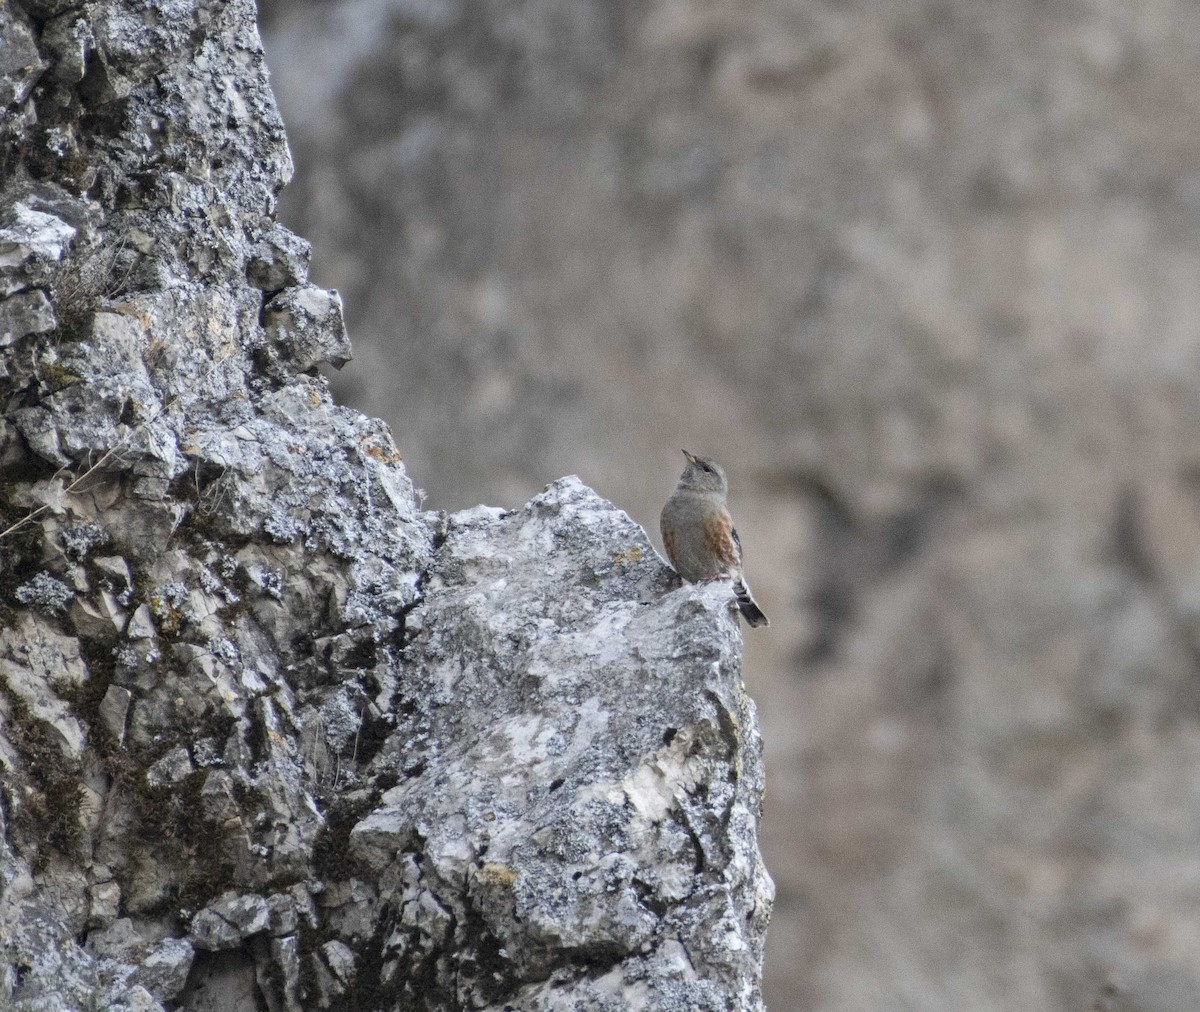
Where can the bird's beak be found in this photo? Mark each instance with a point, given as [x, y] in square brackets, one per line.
[690, 457]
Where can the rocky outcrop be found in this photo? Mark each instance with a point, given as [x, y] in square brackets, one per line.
[271, 735]
[922, 276]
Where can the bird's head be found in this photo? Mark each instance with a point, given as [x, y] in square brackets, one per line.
[703, 474]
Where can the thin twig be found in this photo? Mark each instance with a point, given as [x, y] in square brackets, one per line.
[357, 734]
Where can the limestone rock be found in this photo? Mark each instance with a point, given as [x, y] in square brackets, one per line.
[229, 921]
[105, 904]
[305, 325]
[114, 708]
[101, 618]
[136, 999]
[31, 241]
[163, 971]
[279, 260]
[170, 769]
[25, 313]
[20, 62]
[36, 666]
[272, 736]
[605, 838]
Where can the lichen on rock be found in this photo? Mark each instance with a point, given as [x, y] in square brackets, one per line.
[270, 733]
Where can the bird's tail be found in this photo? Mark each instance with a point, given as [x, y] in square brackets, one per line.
[749, 608]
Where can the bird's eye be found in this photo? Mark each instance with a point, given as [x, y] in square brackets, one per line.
[707, 468]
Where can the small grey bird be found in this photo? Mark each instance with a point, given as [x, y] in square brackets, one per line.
[699, 535]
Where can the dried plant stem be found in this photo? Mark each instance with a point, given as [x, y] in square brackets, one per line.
[110, 453]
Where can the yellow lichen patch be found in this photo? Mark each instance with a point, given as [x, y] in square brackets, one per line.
[631, 556]
[57, 377]
[383, 454]
[135, 309]
[170, 618]
[495, 873]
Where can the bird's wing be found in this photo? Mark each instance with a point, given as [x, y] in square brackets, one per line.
[721, 539]
[668, 536]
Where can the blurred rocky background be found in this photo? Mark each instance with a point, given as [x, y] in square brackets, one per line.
[924, 277]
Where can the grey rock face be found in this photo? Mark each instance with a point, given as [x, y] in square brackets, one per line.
[571, 828]
[25, 313]
[270, 734]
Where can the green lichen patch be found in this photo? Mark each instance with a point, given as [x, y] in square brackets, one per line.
[332, 856]
[84, 699]
[45, 795]
[55, 377]
[168, 830]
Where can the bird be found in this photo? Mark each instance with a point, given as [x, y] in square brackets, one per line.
[699, 536]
